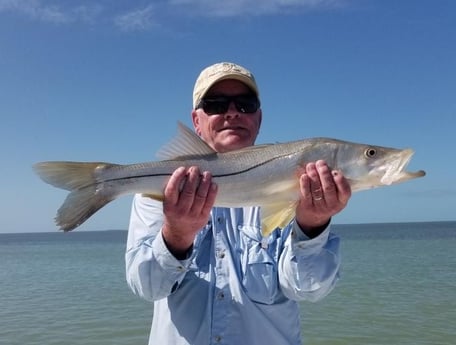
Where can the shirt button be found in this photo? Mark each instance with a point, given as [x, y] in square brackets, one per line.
[222, 255]
[221, 295]
[218, 339]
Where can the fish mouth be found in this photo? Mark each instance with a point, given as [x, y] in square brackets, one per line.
[396, 172]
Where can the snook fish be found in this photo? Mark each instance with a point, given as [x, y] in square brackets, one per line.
[260, 175]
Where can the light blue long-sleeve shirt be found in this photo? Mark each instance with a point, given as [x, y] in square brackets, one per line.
[236, 287]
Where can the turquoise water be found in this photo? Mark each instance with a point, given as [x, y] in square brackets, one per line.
[398, 286]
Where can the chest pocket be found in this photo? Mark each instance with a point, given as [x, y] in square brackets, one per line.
[260, 279]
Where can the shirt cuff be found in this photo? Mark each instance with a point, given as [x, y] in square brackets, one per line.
[299, 235]
[301, 241]
[166, 259]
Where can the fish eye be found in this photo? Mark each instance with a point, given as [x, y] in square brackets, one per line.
[370, 152]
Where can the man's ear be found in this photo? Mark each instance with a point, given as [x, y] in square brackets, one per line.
[261, 118]
[196, 124]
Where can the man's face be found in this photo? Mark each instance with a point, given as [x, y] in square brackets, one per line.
[232, 130]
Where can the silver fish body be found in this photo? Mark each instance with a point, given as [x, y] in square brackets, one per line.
[261, 175]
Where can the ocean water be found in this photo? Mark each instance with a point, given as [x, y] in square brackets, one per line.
[398, 286]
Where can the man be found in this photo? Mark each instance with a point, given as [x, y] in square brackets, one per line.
[212, 277]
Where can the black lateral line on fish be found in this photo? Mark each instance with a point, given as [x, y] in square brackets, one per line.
[220, 175]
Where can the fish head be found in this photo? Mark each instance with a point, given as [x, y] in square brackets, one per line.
[367, 166]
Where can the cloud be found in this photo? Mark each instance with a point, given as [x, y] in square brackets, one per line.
[146, 18]
[34, 9]
[235, 8]
[136, 20]
[50, 13]
[87, 14]
[129, 17]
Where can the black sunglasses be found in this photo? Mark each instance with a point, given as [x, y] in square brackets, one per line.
[212, 105]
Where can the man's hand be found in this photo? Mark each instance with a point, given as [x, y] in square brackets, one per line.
[323, 194]
[188, 199]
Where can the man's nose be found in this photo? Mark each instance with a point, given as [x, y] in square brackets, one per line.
[232, 110]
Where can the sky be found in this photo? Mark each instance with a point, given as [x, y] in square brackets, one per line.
[108, 81]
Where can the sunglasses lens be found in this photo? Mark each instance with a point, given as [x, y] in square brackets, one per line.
[246, 104]
[215, 106]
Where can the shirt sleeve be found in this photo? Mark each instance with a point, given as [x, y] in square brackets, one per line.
[152, 272]
[309, 268]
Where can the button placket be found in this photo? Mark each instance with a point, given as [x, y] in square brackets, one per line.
[220, 308]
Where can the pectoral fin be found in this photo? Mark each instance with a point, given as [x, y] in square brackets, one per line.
[276, 216]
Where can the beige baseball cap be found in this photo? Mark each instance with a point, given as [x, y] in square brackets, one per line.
[221, 71]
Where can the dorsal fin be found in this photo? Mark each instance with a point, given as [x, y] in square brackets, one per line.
[185, 143]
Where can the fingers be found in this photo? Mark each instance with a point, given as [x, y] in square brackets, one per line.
[323, 194]
[190, 190]
[342, 186]
[205, 194]
[318, 184]
[188, 199]
[327, 190]
[174, 186]
[322, 187]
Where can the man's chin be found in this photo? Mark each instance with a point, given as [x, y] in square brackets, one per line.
[234, 142]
